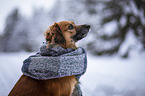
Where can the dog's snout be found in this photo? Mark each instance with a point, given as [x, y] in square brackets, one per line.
[86, 26]
[82, 31]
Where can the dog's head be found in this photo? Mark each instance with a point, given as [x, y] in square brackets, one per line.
[66, 33]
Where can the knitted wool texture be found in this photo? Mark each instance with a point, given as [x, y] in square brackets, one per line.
[55, 62]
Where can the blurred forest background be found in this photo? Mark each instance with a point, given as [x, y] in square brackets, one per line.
[117, 26]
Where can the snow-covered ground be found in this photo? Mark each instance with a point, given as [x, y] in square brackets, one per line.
[105, 76]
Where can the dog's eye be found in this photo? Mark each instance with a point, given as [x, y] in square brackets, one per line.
[70, 27]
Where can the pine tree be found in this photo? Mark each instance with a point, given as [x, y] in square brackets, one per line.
[128, 16]
[133, 22]
[20, 33]
[11, 22]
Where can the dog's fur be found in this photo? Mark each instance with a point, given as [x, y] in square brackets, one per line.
[65, 34]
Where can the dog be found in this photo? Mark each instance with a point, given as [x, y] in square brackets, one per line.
[65, 34]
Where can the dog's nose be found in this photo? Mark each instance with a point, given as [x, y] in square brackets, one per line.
[87, 26]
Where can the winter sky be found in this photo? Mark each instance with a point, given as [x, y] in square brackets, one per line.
[25, 7]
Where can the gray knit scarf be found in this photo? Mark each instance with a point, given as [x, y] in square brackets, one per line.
[55, 62]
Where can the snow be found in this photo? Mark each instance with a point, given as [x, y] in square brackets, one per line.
[113, 76]
[10, 70]
[110, 28]
[131, 43]
[105, 76]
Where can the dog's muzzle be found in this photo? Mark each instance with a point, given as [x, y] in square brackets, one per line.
[82, 31]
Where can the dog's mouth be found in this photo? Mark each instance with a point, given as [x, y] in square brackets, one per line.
[82, 32]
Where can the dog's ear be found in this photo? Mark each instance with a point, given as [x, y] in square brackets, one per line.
[54, 35]
[59, 38]
[49, 35]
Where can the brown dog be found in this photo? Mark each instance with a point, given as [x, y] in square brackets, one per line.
[65, 34]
